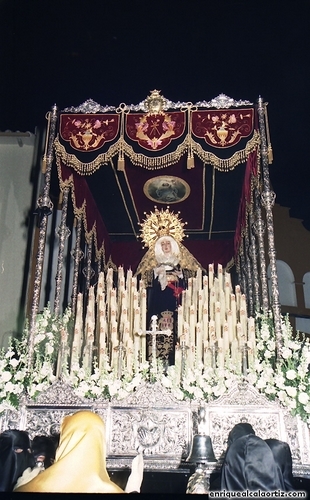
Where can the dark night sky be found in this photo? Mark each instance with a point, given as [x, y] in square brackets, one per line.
[67, 51]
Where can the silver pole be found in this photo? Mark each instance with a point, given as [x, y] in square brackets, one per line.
[268, 200]
[44, 209]
[63, 233]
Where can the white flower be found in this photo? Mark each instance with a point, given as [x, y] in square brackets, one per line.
[279, 381]
[282, 396]
[271, 345]
[166, 382]
[19, 376]
[9, 387]
[291, 404]
[291, 374]
[96, 390]
[291, 391]
[14, 362]
[268, 354]
[295, 346]
[261, 383]
[303, 398]
[6, 376]
[49, 349]
[198, 393]
[286, 353]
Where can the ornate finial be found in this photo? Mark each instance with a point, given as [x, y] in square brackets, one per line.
[161, 223]
[155, 103]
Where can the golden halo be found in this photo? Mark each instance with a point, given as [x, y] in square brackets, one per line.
[161, 223]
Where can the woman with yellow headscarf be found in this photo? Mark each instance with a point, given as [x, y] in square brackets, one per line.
[80, 462]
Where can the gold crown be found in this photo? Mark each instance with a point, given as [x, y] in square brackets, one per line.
[161, 223]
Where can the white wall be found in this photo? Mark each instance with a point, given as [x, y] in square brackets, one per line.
[17, 157]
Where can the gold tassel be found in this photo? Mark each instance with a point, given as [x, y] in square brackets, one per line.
[190, 161]
[121, 162]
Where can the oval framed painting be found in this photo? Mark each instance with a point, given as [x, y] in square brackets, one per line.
[166, 189]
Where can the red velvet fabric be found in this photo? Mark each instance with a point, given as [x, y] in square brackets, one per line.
[155, 132]
[191, 209]
[223, 128]
[85, 205]
[250, 172]
[88, 132]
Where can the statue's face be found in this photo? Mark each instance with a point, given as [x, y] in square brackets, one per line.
[166, 246]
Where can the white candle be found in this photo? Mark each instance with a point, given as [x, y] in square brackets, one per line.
[200, 305]
[186, 334]
[220, 354]
[220, 276]
[218, 330]
[227, 291]
[211, 275]
[180, 321]
[129, 356]
[251, 328]
[231, 334]
[233, 310]
[212, 304]
[198, 344]
[205, 289]
[192, 323]
[226, 341]
[212, 336]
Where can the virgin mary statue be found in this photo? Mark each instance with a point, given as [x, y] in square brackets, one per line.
[165, 268]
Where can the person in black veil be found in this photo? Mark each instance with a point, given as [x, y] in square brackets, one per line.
[283, 458]
[249, 463]
[15, 457]
[44, 450]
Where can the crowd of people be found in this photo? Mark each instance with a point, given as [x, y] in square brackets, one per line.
[74, 461]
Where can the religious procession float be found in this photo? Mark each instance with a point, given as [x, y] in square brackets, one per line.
[163, 296]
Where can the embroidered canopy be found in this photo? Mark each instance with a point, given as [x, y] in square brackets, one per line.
[201, 160]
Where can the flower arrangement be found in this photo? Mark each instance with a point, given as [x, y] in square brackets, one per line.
[15, 377]
[285, 379]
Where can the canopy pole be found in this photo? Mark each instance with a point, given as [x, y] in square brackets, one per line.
[268, 199]
[44, 209]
